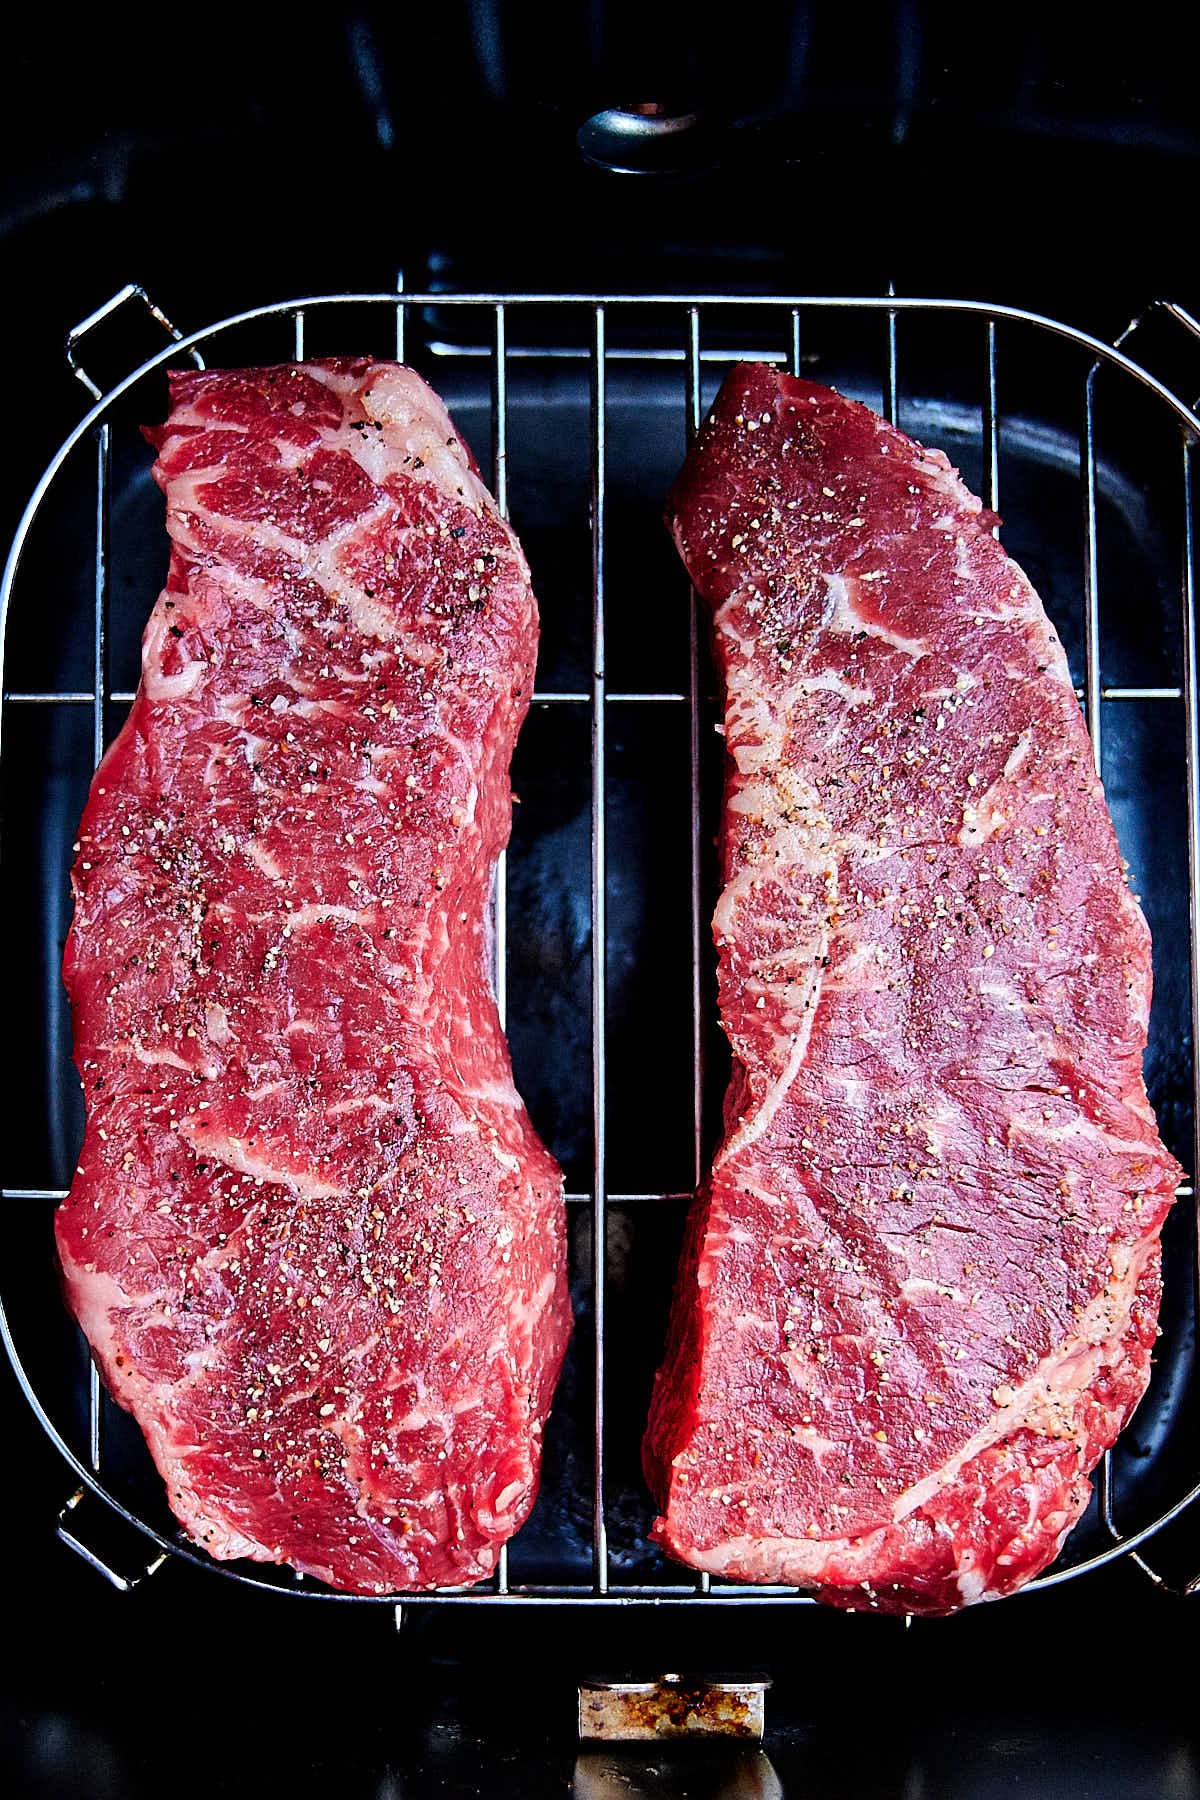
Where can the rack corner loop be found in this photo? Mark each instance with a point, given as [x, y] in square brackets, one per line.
[131, 291]
[101, 1537]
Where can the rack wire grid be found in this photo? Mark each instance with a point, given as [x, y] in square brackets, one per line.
[683, 333]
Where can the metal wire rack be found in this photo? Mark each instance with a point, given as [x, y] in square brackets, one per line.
[685, 331]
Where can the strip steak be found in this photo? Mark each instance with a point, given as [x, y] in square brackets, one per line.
[312, 1238]
[920, 1291]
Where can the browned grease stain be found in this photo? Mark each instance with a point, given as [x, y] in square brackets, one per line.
[672, 1709]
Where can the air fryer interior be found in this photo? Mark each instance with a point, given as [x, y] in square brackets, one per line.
[942, 369]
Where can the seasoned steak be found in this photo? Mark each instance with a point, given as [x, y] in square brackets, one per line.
[920, 1290]
[312, 1238]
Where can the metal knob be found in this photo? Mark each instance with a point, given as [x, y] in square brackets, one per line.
[646, 139]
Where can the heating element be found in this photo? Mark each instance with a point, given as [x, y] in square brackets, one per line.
[680, 343]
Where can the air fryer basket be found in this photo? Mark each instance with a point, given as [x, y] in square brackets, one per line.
[581, 407]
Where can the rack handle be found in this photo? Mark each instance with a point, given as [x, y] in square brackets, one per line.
[131, 291]
[1185, 318]
[1173, 310]
[69, 1532]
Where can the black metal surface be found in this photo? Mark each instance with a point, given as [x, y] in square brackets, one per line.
[1082, 1695]
[648, 783]
[648, 809]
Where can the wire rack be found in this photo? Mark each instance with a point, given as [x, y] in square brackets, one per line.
[684, 331]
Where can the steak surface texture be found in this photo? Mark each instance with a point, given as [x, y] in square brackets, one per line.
[313, 1239]
[919, 1293]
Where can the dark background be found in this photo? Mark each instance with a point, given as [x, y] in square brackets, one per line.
[239, 155]
[225, 158]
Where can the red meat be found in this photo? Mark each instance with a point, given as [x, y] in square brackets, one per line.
[920, 1290]
[313, 1240]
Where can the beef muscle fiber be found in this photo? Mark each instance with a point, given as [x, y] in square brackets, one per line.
[312, 1238]
[920, 1290]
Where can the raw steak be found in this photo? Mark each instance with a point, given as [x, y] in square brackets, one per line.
[919, 1294]
[313, 1239]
